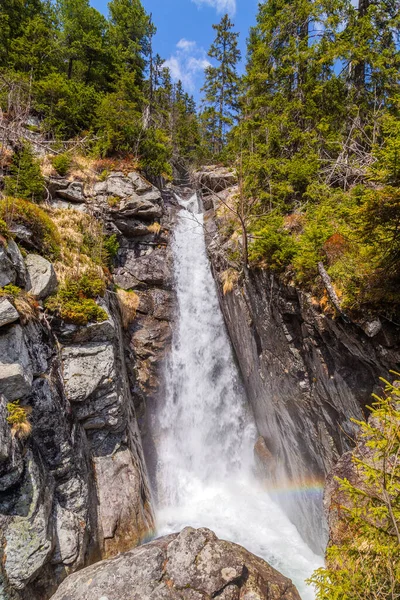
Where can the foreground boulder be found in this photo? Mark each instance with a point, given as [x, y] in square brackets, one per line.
[192, 565]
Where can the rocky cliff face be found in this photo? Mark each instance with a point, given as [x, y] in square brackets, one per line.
[75, 489]
[306, 376]
[194, 565]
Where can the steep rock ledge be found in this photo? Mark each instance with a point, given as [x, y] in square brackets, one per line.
[75, 490]
[306, 376]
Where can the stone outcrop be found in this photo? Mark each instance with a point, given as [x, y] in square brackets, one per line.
[41, 277]
[306, 375]
[192, 565]
[74, 489]
[214, 179]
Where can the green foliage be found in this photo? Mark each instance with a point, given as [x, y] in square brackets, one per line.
[111, 246]
[26, 179]
[363, 563]
[18, 419]
[21, 212]
[10, 290]
[75, 300]
[62, 163]
[67, 106]
[155, 154]
[272, 243]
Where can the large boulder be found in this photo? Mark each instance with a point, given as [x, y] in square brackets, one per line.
[16, 374]
[8, 313]
[192, 565]
[41, 277]
[215, 179]
[73, 193]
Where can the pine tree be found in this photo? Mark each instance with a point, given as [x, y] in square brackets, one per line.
[221, 88]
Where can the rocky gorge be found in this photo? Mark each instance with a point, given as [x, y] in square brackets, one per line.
[76, 491]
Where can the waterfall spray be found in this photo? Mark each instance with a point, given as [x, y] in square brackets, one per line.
[205, 433]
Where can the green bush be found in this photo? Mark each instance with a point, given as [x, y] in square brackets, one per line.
[26, 180]
[75, 302]
[273, 246]
[111, 246]
[45, 233]
[62, 163]
[155, 154]
[67, 106]
[4, 230]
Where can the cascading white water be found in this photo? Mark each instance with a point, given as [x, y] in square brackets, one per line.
[205, 434]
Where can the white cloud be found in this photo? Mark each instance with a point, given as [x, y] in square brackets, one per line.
[187, 63]
[186, 45]
[221, 6]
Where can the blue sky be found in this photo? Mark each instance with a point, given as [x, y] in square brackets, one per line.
[184, 32]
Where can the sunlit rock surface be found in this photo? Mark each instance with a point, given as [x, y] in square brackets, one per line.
[192, 565]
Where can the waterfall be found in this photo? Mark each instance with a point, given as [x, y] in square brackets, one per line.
[204, 432]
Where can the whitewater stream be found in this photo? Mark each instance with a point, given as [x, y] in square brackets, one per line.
[205, 433]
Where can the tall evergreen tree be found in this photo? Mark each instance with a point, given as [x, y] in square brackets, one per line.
[221, 88]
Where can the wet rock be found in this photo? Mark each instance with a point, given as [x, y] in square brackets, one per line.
[264, 457]
[73, 193]
[8, 313]
[192, 565]
[16, 373]
[41, 277]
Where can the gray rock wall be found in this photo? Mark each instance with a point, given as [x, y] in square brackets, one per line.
[306, 376]
[75, 489]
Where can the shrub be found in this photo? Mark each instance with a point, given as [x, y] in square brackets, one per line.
[68, 106]
[26, 180]
[62, 163]
[10, 290]
[75, 302]
[364, 561]
[18, 419]
[128, 302]
[4, 230]
[111, 246]
[45, 234]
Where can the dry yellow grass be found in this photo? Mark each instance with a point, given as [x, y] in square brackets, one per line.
[74, 228]
[229, 279]
[128, 303]
[27, 307]
[154, 228]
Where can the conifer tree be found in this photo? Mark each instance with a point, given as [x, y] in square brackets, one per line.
[221, 88]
